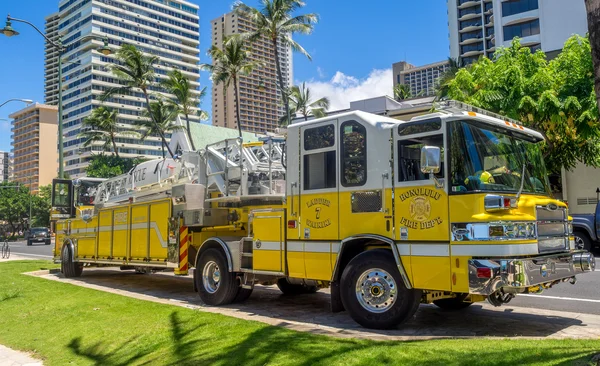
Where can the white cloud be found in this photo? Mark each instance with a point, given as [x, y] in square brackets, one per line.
[343, 89]
[321, 73]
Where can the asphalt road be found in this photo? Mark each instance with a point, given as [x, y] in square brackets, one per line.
[35, 251]
[583, 297]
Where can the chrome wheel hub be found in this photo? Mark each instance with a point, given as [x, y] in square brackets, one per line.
[579, 244]
[211, 277]
[376, 290]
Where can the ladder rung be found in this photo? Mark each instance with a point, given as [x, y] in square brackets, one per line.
[246, 254]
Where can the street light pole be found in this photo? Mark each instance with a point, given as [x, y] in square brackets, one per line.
[105, 50]
[28, 101]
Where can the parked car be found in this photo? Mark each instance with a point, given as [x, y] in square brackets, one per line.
[38, 235]
[586, 229]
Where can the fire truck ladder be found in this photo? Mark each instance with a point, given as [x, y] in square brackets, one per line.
[241, 171]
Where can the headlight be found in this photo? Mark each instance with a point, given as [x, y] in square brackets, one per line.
[494, 231]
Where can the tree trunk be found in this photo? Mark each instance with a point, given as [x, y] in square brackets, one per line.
[237, 105]
[283, 89]
[114, 144]
[593, 18]
[163, 150]
[189, 132]
[162, 135]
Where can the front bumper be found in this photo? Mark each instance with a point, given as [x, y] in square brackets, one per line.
[487, 276]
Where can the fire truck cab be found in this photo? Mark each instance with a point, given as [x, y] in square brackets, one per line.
[448, 208]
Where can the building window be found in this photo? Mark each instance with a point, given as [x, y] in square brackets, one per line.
[354, 154]
[518, 6]
[522, 30]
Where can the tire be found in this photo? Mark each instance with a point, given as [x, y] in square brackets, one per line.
[215, 290]
[291, 289]
[242, 295]
[455, 303]
[582, 241]
[69, 267]
[48, 243]
[388, 302]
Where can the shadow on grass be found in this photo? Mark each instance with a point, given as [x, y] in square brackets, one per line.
[8, 295]
[101, 354]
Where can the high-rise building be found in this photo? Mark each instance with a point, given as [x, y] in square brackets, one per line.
[34, 158]
[167, 29]
[4, 166]
[51, 61]
[423, 80]
[261, 103]
[477, 27]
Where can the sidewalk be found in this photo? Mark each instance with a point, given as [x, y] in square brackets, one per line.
[8, 357]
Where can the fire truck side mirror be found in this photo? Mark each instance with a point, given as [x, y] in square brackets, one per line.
[430, 159]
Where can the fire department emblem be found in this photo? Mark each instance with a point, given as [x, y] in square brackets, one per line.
[420, 209]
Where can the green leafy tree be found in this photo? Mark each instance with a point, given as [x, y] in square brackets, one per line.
[102, 126]
[135, 71]
[108, 166]
[41, 204]
[442, 84]
[229, 63]
[593, 19]
[275, 20]
[301, 103]
[179, 85]
[556, 98]
[14, 206]
[161, 120]
[402, 92]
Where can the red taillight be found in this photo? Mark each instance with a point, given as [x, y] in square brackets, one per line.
[484, 273]
[292, 224]
[506, 202]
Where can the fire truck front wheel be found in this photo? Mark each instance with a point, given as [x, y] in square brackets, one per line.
[373, 292]
[69, 267]
[216, 285]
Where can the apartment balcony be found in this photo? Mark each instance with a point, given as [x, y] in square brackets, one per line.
[470, 28]
[475, 38]
[475, 13]
[463, 4]
[472, 53]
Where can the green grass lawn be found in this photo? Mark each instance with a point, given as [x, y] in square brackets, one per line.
[62, 324]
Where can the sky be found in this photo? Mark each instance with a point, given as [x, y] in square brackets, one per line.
[353, 48]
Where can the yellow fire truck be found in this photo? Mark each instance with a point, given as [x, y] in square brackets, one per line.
[449, 208]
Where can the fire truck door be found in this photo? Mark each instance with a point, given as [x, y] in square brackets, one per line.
[422, 206]
[365, 193]
[318, 201]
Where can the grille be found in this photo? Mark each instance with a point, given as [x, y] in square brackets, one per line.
[369, 201]
[552, 229]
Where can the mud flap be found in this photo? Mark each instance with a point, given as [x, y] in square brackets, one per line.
[336, 298]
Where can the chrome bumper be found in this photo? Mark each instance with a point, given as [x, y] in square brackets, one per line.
[487, 276]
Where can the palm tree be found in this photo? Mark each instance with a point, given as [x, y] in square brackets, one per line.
[161, 119]
[135, 70]
[178, 85]
[453, 66]
[593, 19]
[402, 92]
[274, 20]
[300, 102]
[230, 62]
[103, 127]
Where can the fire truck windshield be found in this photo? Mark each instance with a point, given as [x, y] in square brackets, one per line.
[484, 158]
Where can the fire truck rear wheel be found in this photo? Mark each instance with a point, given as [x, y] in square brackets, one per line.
[373, 292]
[455, 303]
[294, 289]
[69, 267]
[216, 285]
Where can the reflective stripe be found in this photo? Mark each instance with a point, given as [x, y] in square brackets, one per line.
[267, 245]
[403, 249]
[144, 225]
[335, 248]
[430, 250]
[295, 246]
[317, 247]
[490, 250]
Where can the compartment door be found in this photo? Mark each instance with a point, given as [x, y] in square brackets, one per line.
[268, 242]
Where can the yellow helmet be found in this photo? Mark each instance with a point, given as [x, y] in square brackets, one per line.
[484, 177]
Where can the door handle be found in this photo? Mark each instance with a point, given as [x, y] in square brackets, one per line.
[293, 184]
[384, 176]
